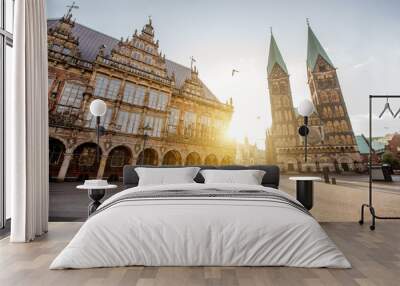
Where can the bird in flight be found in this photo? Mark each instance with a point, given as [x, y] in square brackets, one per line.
[234, 71]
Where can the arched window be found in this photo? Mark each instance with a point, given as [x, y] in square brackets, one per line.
[341, 111]
[325, 97]
[329, 126]
[287, 101]
[325, 112]
[344, 125]
[275, 89]
[334, 97]
[136, 55]
[350, 140]
[291, 130]
[282, 88]
[330, 112]
[336, 125]
[148, 60]
[149, 49]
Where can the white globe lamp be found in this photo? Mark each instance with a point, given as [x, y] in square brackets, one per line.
[98, 107]
[306, 108]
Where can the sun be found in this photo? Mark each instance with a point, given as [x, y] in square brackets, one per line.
[235, 133]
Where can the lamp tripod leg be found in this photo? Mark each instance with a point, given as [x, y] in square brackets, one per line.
[361, 221]
[372, 210]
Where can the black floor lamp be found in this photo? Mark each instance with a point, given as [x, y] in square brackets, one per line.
[98, 108]
[306, 108]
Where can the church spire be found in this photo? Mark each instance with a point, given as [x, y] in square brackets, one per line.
[275, 57]
[315, 49]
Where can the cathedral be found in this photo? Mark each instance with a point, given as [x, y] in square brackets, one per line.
[331, 141]
[158, 111]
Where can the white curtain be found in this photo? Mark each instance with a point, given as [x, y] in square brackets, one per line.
[27, 124]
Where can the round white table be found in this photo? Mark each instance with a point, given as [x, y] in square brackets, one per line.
[305, 190]
[95, 193]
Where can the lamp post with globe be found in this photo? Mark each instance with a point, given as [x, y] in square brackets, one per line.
[306, 108]
[98, 108]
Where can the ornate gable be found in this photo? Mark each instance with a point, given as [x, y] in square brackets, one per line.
[138, 54]
[61, 39]
[193, 86]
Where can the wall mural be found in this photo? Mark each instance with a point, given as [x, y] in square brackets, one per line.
[160, 112]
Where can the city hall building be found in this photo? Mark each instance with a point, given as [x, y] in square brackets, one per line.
[158, 112]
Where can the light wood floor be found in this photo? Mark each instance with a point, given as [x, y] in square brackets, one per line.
[375, 257]
[342, 202]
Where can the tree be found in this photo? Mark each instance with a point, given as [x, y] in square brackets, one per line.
[390, 158]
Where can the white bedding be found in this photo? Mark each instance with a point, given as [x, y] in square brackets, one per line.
[200, 231]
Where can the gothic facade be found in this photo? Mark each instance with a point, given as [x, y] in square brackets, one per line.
[158, 111]
[331, 141]
[249, 154]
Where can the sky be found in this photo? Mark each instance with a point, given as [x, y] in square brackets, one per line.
[361, 37]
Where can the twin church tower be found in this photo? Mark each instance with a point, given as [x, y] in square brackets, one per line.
[331, 142]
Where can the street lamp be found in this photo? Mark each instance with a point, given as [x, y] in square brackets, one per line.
[98, 108]
[145, 137]
[306, 108]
